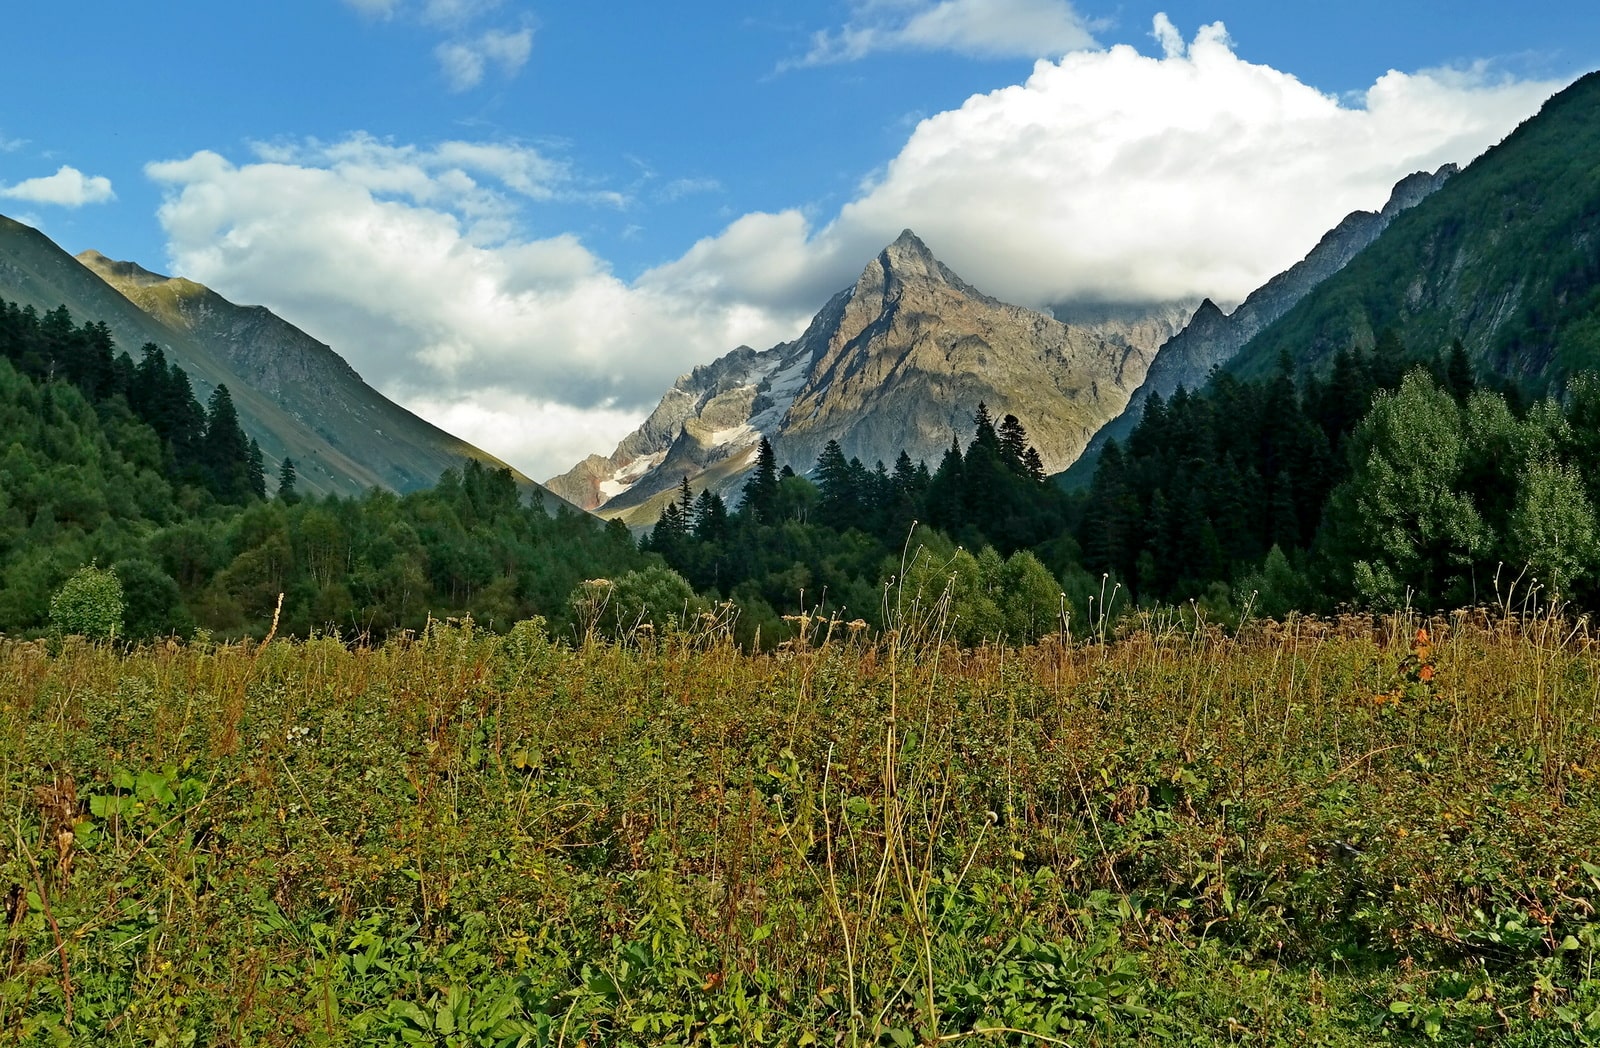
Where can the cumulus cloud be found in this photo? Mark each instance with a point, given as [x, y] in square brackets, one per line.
[1107, 176]
[68, 187]
[513, 424]
[1111, 175]
[979, 28]
[464, 62]
[398, 258]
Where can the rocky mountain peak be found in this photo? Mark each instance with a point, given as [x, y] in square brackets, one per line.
[909, 256]
[904, 266]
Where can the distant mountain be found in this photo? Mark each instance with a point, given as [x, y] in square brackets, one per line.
[900, 360]
[1505, 257]
[296, 396]
[1212, 338]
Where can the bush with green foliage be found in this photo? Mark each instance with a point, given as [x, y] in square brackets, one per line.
[89, 604]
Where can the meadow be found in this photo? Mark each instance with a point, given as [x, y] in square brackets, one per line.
[1365, 830]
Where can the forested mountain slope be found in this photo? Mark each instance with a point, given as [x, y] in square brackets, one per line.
[297, 397]
[1505, 258]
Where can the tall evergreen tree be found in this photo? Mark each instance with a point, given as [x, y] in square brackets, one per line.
[946, 491]
[258, 471]
[837, 506]
[984, 434]
[710, 517]
[1013, 444]
[286, 481]
[226, 451]
[761, 490]
[686, 503]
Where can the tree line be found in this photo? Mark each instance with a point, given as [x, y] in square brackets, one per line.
[1389, 480]
[201, 447]
[984, 531]
[1385, 480]
[109, 463]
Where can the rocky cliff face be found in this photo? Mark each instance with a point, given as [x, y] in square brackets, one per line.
[1212, 338]
[898, 361]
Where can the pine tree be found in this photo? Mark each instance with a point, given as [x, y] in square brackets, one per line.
[838, 505]
[946, 490]
[983, 430]
[761, 491]
[1013, 444]
[258, 471]
[286, 481]
[710, 517]
[1032, 464]
[686, 504]
[225, 452]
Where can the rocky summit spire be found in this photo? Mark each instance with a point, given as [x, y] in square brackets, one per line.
[908, 256]
[906, 263]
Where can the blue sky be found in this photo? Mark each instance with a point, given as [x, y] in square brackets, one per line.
[523, 219]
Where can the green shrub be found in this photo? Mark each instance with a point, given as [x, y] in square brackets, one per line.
[88, 604]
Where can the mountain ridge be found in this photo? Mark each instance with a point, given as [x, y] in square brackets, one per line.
[295, 395]
[1506, 259]
[899, 360]
[1212, 338]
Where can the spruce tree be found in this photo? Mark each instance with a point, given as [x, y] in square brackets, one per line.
[837, 506]
[286, 481]
[258, 471]
[984, 434]
[710, 517]
[1013, 444]
[761, 491]
[225, 453]
[1032, 464]
[686, 504]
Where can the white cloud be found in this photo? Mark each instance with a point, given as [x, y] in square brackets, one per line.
[1111, 175]
[980, 28]
[1166, 34]
[382, 251]
[68, 187]
[464, 62]
[1107, 175]
[528, 429]
[11, 145]
[466, 56]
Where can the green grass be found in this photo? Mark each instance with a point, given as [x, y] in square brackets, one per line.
[1293, 836]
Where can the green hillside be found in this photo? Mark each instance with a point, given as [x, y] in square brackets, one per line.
[1505, 258]
[112, 465]
[297, 397]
